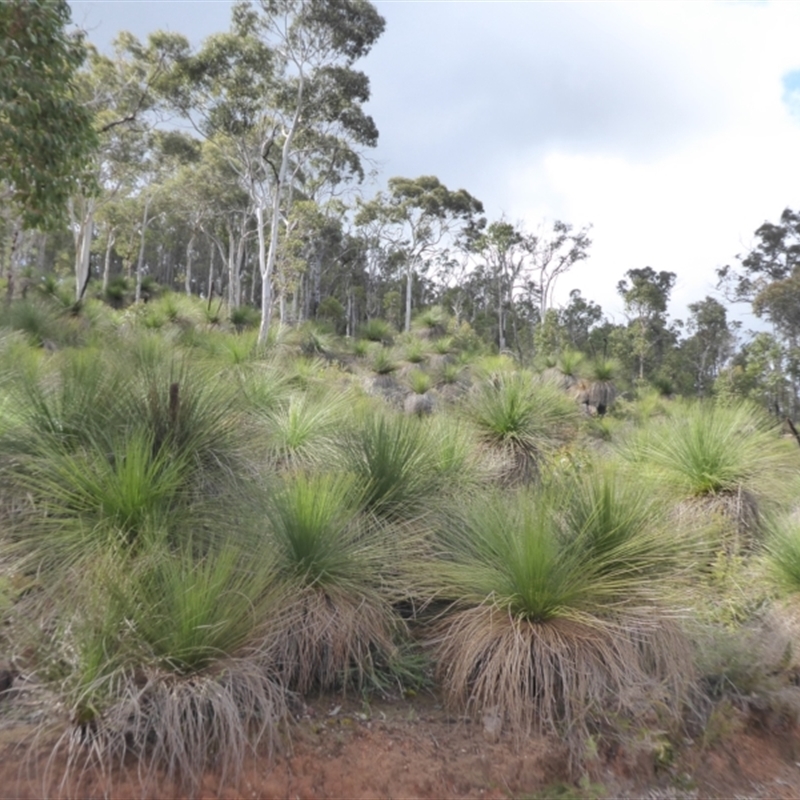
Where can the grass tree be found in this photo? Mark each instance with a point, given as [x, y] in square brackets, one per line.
[392, 458]
[337, 623]
[557, 617]
[728, 458]
[522, 418]
[159, 662]
[304, 430]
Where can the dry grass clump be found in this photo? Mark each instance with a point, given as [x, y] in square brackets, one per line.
[172, 730]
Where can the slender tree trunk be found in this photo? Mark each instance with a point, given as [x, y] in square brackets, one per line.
[110, 239]
[409, 284]
[211, 274]
[266, 280]
[140, 263]
[267, 266]
[83, 228]
[11, 273]
[254, 275]
[282, 306]
[501, 338]
[295, 299]
[231, 267]
[189, 253]
[42, 251]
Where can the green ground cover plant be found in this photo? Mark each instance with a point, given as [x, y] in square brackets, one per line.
[559, 615]
[195, 530]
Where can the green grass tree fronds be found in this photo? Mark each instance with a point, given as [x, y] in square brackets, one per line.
[164, 664]
[393, 458]
[522, 418]
[556, 622]
[729, 457]
[338, 623]
[305, 429]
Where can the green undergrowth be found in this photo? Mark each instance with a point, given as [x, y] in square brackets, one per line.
[196, 531]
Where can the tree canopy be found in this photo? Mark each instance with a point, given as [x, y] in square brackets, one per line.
[46, 133]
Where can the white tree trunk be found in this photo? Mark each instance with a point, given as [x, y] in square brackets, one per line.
[107, 263]
[409, 283]
[140, 262]
[189, 253]
[82, 230]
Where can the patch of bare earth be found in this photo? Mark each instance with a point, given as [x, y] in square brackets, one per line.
[413, 748]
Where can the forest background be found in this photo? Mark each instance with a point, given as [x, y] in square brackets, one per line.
[187, 155]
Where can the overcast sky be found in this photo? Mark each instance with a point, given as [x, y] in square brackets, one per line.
[674, 129]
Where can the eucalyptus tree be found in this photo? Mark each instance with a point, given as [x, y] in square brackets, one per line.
[417, 216]
[552, 254]
[122, 94]
[770, 281]
[578, 319]
[282, 88]
[646, 294]
[210, 196]
[710, 344]
[505, 249]
[46, 133]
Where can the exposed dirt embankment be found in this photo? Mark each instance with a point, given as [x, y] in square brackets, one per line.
[413, 748]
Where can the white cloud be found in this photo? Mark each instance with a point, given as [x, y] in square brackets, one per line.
[693, 208]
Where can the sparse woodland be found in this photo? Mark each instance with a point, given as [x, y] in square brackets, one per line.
[262, 438]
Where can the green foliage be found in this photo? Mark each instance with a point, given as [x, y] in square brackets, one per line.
[443, 345]
[304, 431]
[784, 553]
[337, 622]
[523, 416]
[414, 351]
[570, 363]
[151, 668]
[244, 317]
[46, 134]
[41, 321]
[315, 533]
[391, 457]
[93, 500]
[419, 381]
[709, 450]
[450, 373]
[557, 607]
[383, 363]
[192, 611]
[377, 330]
[116, 291]
[603, 369]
